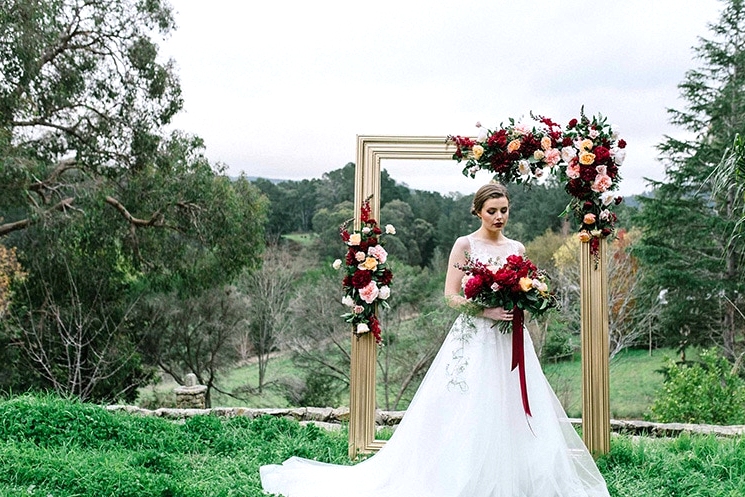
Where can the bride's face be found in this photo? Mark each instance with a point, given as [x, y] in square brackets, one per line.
[494, 214]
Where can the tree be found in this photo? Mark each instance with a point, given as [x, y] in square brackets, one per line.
[686, 223]
[269, 291]
[10, 271]
[196, 335]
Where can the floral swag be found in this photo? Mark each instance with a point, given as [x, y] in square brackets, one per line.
[367, 277]
[586, 155]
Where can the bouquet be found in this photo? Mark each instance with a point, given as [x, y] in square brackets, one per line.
[517, 285]
[367, 280]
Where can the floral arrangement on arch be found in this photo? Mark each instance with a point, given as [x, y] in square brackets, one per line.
[586, 154]
[367, 280]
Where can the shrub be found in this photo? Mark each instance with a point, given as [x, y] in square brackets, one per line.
[704, 392]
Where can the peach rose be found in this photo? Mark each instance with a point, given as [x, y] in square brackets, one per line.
[526, 284]
[545, 143]
[589, 218]
[513, 146]
[573, 170]
[586, 158]
[371, 263]
[584, 236]
[586, 144]
[539, 155]
[478, 151]
[540, 286]
[354, 239]
[602, 183]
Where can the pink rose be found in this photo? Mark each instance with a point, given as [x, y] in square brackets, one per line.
[370, 292]
[360, 256]
[553, 156]
[379, 253]
[358, 309]
[602, 183]
[573, 170]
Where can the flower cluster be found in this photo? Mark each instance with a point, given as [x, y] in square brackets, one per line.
[367, 279]
[586, 155]
[517, 283]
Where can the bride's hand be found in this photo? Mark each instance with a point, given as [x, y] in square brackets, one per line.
[497, 314]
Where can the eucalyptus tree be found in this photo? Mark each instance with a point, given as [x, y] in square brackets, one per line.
[686, 223]
[94, 191]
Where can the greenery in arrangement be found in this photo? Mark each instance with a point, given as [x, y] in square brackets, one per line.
[51, 446]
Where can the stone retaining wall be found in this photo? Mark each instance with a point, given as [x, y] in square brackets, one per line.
[331, 418]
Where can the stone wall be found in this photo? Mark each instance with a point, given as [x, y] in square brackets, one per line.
[330, 418]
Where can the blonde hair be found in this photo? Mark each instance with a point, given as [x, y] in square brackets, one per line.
[492, 189]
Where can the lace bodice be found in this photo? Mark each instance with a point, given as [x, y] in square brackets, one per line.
[488, 252]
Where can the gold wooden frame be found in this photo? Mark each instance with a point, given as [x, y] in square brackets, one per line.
[595, 407]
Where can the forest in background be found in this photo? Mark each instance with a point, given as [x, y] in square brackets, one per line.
[125, 255]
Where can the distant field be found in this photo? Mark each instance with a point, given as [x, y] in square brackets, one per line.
[634, 379]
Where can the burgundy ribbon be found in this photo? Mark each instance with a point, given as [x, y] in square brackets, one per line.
[518, 354]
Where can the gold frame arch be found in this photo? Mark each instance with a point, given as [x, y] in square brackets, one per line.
[594, 306]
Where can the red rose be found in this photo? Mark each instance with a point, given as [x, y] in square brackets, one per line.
[588, 173]
[621, 143]
[376, 230]
[498, 139]
[473, 286]
[601, 154]
[566, 142]
[350, 259]
[347, 281]
[385, 278]
[344, 234]
[618, 200]
[375, 328]
[572, 124]
[361, 278]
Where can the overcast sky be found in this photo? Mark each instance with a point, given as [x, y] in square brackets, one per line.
[282, 89]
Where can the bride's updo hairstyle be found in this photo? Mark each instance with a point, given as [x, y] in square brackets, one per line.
[489, 190]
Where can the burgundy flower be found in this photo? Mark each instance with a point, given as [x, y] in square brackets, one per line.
[588, 173]
[376, 230]
[498, 139]
[567, 141]
[474, 286]
[621, 143]
[385, 278]
[577, 188]
[361, 278]
[572, 124]
[602, 154]
[350, 259]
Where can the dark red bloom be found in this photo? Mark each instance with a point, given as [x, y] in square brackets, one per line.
[365, 212]
[498, 139]
[386, 277]
[361, 278]
[347, 281]
[350, 259]
[374, 325]
[621, 143]
[567, 141]
[589, 205]
[474, 286]
[602, 154]
[588, 173]
[572, 124]
[577, 188]
[376, 230]
[618, 200]
[344, 234]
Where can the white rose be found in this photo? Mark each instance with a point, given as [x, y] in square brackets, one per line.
[568, 153]
[347, 301]
[362, 328]
[389, 229]
[607, 198]
[483, 133]
[619, 156]
[366, 230]
[523, 167]
[614, 132]
[384, 292]
[336, 264]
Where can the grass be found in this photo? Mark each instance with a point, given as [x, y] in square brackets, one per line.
[51, 446]
[634, 381]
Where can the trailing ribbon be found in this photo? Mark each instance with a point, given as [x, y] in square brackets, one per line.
[518, 354]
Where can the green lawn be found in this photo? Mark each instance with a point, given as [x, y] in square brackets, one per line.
[55, 447]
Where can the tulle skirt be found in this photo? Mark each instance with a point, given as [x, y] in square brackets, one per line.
[465, 434]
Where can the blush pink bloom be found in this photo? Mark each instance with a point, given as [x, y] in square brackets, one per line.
[553, 156]
[602, 183]
[358, 309]
[360, 256]
[369, 292]
[379, 253]
[573, 170]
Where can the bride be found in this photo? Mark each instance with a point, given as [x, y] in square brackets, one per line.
[466, 432]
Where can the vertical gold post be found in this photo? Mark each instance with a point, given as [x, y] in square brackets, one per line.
[362, 394]
[595, 372]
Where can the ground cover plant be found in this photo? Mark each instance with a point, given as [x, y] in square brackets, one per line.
[65, 448]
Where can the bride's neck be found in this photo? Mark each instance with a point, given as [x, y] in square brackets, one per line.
[489, 236]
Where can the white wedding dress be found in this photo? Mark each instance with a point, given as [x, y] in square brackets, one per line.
[465, 433]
